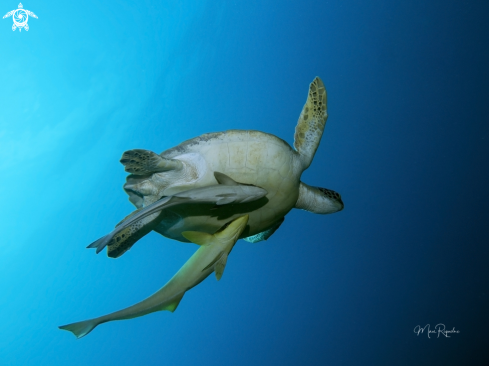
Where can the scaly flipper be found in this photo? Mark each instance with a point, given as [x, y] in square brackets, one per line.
[130, 230]
[143, 162]
[311, 123]
[120, 241]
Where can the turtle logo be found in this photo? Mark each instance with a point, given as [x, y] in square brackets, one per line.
[20, 17]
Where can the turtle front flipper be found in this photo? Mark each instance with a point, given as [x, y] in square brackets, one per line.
[141, 162]
[311, 123]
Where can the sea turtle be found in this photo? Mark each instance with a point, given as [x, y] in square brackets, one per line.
[246, 156]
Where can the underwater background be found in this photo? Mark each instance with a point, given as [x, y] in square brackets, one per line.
[406, 145]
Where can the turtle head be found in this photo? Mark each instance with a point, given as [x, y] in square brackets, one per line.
[331, 201]
[318, 200]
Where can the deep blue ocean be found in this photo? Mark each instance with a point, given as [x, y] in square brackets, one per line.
[406, 144]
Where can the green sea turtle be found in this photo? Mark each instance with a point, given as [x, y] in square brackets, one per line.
[246, 156]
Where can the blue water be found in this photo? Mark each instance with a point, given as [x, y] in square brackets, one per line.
[406, 144]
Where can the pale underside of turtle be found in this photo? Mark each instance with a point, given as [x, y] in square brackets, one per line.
[248, 157]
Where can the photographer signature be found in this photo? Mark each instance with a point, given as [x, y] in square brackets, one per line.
[439, 329]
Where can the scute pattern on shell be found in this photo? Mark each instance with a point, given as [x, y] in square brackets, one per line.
[212, 138]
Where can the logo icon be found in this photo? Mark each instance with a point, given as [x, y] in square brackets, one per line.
[20, 17]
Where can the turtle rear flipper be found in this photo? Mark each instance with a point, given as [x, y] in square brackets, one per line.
[143, 162]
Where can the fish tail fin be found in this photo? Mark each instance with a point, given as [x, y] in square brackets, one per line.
[99, 244]
[80, 329]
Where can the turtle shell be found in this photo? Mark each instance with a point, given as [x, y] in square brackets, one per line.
[248, 157]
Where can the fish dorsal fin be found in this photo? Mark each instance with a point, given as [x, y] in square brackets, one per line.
[220, 265]
[225, 180]
[197, 237]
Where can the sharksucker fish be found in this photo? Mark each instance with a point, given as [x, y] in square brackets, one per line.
[210, 257]
[143, 220]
